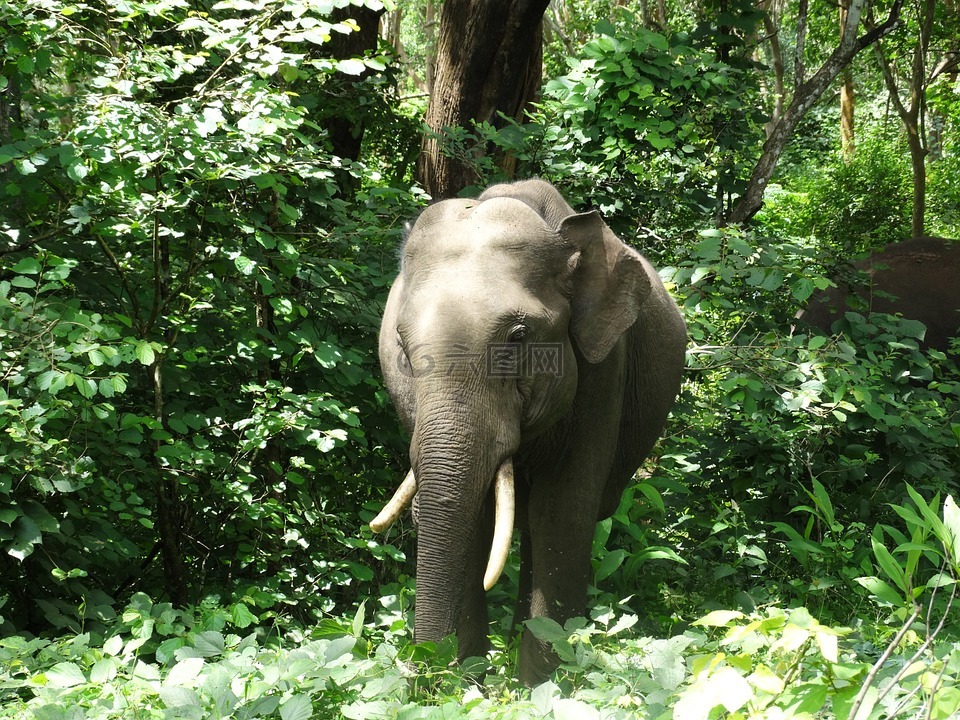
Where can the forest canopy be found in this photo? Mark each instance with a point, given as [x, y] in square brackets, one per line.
[201, 205]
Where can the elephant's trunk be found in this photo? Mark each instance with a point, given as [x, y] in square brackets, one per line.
[504, 506]
[460, 447]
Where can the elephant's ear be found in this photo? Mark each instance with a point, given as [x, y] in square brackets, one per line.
[610, 284]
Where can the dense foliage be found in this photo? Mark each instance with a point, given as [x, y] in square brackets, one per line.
[189, 323]
[192, 269]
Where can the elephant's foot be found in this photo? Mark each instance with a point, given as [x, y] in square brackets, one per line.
[537, 660]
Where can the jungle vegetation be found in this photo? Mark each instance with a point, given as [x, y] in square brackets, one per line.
[201, 203]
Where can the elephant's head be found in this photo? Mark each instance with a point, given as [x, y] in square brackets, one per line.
[497, 302]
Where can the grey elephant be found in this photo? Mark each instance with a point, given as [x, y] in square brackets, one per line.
[918, 278]
[532, 357]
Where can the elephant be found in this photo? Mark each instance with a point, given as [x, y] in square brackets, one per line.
[533, 359]
[918, 278]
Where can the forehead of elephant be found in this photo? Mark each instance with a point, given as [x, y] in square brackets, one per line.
[496, 260]
[500, 238]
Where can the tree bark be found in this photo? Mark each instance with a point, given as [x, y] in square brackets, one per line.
[488, 61]
[805, 96]
[847, 106]
[770, 27]
[846, 101]
[430, 26]
[799, 64]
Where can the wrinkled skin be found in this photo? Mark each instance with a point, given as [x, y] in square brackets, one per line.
[919, 279]
[517, 270]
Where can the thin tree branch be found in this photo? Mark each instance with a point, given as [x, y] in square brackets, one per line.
[134, 301]
[27, 244]
[872, 675]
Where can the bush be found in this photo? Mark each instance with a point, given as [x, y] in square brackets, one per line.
[850, 206]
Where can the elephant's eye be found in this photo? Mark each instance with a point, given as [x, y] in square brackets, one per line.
[517, 334]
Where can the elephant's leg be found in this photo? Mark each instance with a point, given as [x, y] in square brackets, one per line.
[562, 525]
[522, 611]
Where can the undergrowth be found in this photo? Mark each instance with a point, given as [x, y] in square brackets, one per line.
[775, 661]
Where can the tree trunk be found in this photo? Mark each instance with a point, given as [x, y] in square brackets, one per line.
[346, 133]
[169, 506]
[918, 164]
[805, 96]
[776, 56]
[847, 137]
[846, 101]
[799, 63]
[430, 26]
[488, 62]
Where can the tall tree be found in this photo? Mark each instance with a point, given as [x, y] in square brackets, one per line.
[488, 62]
[912, 110]
[805, 96]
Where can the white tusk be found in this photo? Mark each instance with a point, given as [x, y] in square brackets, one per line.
[503, 524]
[398, 503]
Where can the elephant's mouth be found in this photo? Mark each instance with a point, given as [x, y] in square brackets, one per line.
[505, 502]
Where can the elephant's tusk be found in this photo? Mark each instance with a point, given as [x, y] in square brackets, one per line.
[503, 524]
[398, 503]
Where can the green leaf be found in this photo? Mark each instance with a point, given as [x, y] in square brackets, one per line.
[77, 171]
[106, 388]
[719, 618]
[86, 386]
[241, 616]
[297, 707]
[929, 512]
[185, 671]
[951, 524]
[26, 535]
[544, 695]
[327, 354]
[725, 687]
[658, 142]
[52, 381]
[104, 670]
[209, 643]
[881, 591]
[65, 675]
[245, 265]
[546, 629]
[821, 498]
[888, 564]
[609, 563]
[351, 66]
[175, 697]
[145, 353]
[572, 709]
[653, 495]
[27, 266]
[806, 699]
[359, 618]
